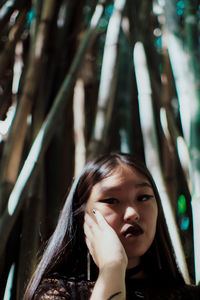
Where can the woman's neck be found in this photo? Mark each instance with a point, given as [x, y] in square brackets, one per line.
[133, 262]
[137, 271]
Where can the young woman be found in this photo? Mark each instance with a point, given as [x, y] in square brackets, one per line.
[111, 241]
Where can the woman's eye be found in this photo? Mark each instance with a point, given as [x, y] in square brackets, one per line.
[144, 197]
[109, 200]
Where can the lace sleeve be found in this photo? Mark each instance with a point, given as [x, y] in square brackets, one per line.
[52, 289]
[62, 289]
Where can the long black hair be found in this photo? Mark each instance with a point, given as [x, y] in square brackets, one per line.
[66, 251]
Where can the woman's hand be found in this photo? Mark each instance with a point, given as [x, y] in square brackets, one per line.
[103, 243]
[109, 255]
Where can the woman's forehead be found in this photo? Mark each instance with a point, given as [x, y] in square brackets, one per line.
[123, 174]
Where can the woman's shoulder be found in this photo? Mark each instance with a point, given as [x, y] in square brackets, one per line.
[177, 289]
[190, 291]
[156, 290]
[57, 287]
[183, 292]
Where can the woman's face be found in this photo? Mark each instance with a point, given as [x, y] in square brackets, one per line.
[127, 202]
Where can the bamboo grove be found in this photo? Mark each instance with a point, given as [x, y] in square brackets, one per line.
[84, 77]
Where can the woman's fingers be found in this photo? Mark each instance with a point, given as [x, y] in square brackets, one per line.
[89, 234]
[88, 244]
[100, 224]
[90, 248]
[100, 219]
[102, 241]
[91, 228]
[89, 221]
[87, 231]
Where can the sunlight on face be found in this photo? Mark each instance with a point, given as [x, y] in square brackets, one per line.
[126, 200]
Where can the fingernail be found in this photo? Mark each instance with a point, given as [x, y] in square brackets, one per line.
[94, 211]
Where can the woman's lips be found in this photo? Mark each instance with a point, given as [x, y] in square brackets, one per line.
[133, 230]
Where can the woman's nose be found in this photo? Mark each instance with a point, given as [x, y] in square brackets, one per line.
[131, 213]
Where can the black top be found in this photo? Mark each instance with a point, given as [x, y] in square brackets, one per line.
[59, 288]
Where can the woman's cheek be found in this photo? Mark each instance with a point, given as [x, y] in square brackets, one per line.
[111, 219]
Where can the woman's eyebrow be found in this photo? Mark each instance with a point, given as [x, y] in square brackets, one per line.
[143, 184]
[111, 189]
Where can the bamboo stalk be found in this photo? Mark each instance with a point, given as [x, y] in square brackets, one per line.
[163, 92]
[194, 146]
[191, 27]
[13, 148]
[5, 17]
[108, 82]
[14, 35]
[6, 98]
[152, 150]
[65, 45]
[167, 118]
[186, 89]
[11, 255]
[29, 243]
[180, 67]
[3, 273]
[79, 126]
[44, 136]
[122, 117]
[62, 144]
[37, 5]
[3, 2]
[6, 12]
[33, 210]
